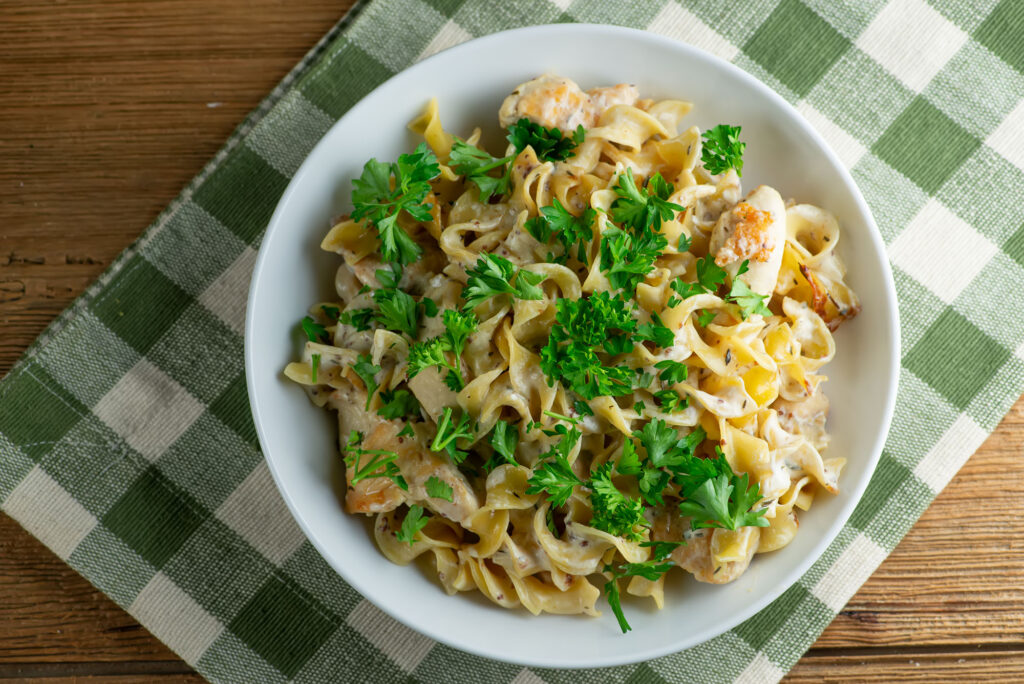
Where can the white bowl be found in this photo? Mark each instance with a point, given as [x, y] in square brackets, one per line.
[470, 81]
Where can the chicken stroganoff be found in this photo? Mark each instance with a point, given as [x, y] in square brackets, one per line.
[583, 363]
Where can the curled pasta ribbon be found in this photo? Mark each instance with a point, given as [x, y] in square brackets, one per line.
[454, 243]
[530, 186]
[627, 126]
[428, 124]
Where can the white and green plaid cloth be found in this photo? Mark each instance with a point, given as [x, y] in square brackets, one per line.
[126, 444]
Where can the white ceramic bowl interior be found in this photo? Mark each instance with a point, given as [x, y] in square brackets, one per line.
[470, 81]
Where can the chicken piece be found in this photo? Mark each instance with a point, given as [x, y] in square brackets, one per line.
[415, 462]
[374, 494]
[697, 555]
[609, 96]
[556, 102]
[755, 231]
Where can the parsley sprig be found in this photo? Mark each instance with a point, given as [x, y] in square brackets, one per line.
[367, 372]
[614, 512]
[449, 431]
[651, 569]
[396, 309]
[493, 276]
[554, 475]
[476, 164]
[549, 143]
[628, 254]
[384, 190]
[722, 149]
[718, 497]
[573, 232]
[459, 326]
[641, 208]
[601, 322]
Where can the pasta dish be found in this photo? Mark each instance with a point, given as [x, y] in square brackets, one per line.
[571, 368]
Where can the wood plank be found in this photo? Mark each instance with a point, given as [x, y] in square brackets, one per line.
[108, 109]
[49, 613]
[844, 667]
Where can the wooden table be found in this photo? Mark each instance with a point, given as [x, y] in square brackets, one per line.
[107, 108]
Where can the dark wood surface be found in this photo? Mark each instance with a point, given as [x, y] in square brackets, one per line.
[107, 108]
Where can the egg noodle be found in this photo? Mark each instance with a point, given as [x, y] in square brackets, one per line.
[584, 363]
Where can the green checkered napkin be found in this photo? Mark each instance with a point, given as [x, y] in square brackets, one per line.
[126, 444]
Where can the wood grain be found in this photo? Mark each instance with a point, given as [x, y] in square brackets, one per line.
[107, 108]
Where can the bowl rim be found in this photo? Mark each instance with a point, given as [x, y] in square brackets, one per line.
[854, 494]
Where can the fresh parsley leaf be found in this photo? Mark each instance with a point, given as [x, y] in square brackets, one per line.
[614, 512]
[425, 354]
[652, 482]
[629, 461]
[458, 327]
[660, 550]
[684, 243]
[643, 379]
[643, 208]
[411, 526]
[505, 440]
[670, 401]
[383, 191]
[397, 310]
[650, 569]
[389, 277]
[315, 366]
[332, 312]
[381, 463]
[705, 317]
[640, 407]
[685, 289]
[406, 431]
[493, 276]
[314, 331]
[749, 301]
[475, 164]
[364, 368]
[709, 274]
[664, 446]
[438, 488]
[449, 431]
[547, 143]
[398, 404]
[656, 331]
[429, 307]
[571, 231]
[626, 258]
[726, 502]
[611, 593]
[358, 318]
[672, 371]
[582, 408]
[553, 475]
[722, 149]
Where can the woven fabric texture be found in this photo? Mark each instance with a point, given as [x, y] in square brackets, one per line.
[126, 444]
